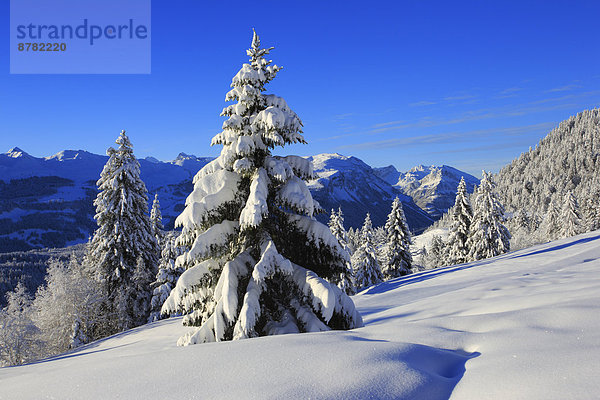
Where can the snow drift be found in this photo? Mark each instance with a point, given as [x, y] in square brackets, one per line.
[524, 325]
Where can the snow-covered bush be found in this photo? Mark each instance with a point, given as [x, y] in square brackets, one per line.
[259, 263]
[67, 309]
[19, 337]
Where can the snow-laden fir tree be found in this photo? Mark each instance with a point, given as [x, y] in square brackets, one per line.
[124, 235]
[336, 226]
[488, 236]
[462, 216]
[592, 210]
[436, 254]
[552, 223]
[397, 257]
[166, 277]
[353, 239]
[570, 217]
[366, 268]
[156, 220]
[142, 291]
[259, 261]
[521, 221]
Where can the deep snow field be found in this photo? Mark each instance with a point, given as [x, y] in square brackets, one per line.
[525, 325]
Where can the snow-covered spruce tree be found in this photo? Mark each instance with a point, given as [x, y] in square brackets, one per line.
[336, 226]
[570, 216]
[353, 240]
[488, 236]
[142, 291]
[124, 235]
[551, 224]
[367, 271]
[462, 215]
[592, 210]
[436, 254]
[258, 260]
[398, 260]
[166, 277]
[156, 220]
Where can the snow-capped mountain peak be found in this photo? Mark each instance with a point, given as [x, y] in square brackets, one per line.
[433, 188]
[68, 155]
[16, 152]
[349, 182]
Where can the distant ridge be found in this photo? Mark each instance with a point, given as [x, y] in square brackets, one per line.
[48, 201]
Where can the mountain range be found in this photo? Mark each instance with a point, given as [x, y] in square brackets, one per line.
[48, 201]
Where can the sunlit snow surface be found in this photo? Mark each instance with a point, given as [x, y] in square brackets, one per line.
[525, 325]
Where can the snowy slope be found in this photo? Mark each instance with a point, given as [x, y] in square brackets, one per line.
[350, 183]
[432, 188]
[525, 325]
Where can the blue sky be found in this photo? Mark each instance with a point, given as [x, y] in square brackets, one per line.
[467, 84]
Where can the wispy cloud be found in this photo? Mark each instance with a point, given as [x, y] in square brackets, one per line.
[460, 97]
[448, 137]
[510, 90]
[565, 88]
[508, 93]
[422, 103]
[343, 116]
[485, 148]
[386, 124]
[469, 116]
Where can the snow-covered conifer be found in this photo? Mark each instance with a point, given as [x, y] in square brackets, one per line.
[156, 220]
[353, 239]
[397, 259]
[336, 226]
[551, 222]
[521, 221]
[142, 279]
[367, 271]
[462, 216]
[258, 260]
[124, 232]
[570, 216]
[436, 254]
[166, 277]
[488, 236]
[592, 210]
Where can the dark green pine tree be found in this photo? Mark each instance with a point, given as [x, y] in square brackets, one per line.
[124, 237]
[259, 263]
